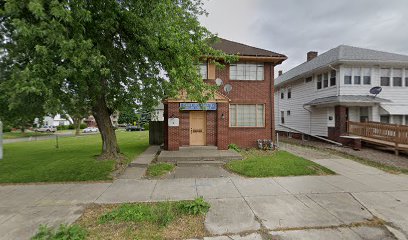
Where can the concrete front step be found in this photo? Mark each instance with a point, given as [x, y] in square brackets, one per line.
[196, 159]
[184, 163]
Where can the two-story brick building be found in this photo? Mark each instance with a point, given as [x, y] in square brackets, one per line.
[242, 110]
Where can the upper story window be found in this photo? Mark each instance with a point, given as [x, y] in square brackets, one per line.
[319, 81]
[283, 117]
[325, 80]
[406, 80]
[357, 76]
[309, 79]
[282, 94]
[347, 76]
[289, 93]
[367, 76]
[204, 70]
[385, 77]
[332, 78]
[397, 78]
[247, 71]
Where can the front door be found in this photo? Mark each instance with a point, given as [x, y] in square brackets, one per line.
[197, 128]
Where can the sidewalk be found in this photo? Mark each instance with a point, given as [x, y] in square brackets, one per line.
[314, 205]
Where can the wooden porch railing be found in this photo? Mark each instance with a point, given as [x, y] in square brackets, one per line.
[391, 134]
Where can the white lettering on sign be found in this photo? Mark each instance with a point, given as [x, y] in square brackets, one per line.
[173, 122]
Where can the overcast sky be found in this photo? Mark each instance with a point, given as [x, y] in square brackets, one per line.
[294, 27]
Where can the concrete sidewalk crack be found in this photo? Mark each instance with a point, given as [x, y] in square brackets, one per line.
[103, 192]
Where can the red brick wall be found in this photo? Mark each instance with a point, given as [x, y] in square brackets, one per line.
[171, 134]
[218, 131]
[184, 128]
[222, 126]
[251, 92]
[211, 129]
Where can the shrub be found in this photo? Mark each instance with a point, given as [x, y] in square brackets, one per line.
[196, 207]
[83, 126]
[64, 232]
[7, 129]
[62, 127]
[234, 147]
[146, 126]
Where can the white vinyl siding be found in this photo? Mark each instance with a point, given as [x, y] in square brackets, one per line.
[247, 71]
[247, 115]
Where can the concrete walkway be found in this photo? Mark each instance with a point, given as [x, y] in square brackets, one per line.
[137, 168]
[343, 206]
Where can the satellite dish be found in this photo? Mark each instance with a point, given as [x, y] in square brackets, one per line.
[218, 81]
[376, 91]
[227, 88]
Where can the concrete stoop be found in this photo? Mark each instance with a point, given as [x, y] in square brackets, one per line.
[201, 155]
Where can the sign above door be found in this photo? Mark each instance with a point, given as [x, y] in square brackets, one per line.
[198, 106]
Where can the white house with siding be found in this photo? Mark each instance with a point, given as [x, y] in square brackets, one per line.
[319, 96]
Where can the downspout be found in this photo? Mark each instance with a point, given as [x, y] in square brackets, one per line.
[310, 119]
[271, 96]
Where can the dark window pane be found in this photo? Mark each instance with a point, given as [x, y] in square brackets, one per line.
[282, 95]
[397, 81]
[347, 79]
[309, 79]
[406, 82]
[319, 85]
[289, 93]
[385, 119]
[332, 78]
[357, 80]
[367, 80]
[385, 81]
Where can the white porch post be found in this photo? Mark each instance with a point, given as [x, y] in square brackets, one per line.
[375, 113]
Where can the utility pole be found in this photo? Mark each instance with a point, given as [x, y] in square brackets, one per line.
[1, 140]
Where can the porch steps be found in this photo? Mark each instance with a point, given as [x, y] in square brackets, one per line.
[186, 163]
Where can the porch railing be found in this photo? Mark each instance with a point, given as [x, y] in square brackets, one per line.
[393, 133]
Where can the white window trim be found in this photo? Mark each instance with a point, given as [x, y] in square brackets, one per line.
[256, 115]
[248, 63]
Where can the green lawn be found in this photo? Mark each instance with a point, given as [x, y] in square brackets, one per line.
[159, 169]
[19, 134]
[280, 163]
[74, 160]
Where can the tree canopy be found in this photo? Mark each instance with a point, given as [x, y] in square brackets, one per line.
[105, 54]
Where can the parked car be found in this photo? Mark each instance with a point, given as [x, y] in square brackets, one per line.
[46, 129]
[134, 128]
[90, 130]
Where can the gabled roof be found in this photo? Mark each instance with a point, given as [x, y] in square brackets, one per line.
[240, 49]
[342, 53]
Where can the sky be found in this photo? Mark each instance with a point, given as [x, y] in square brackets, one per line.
[294, 27]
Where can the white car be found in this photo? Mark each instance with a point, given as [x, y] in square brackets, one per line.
[46, 129]
[90, 130]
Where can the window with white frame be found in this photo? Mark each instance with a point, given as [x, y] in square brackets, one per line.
[283, 117]
[397, 78]
[319, 81]
[357, 76]
[347, 76]
[397, 119]
[204, 70]
[366, 76]
[247, 115]
[325, 80]
[406, 77]
[289, 93]
[332, 78]
[247, 71]
[385, 77]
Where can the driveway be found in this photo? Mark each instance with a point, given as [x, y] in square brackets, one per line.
[360, 202]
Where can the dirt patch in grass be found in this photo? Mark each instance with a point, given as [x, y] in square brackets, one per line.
[258, 163]
[135, 221]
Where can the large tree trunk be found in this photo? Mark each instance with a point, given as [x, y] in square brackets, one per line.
[77, 124]
[110, 148]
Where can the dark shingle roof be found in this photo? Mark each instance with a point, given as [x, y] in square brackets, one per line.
[240, 49]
